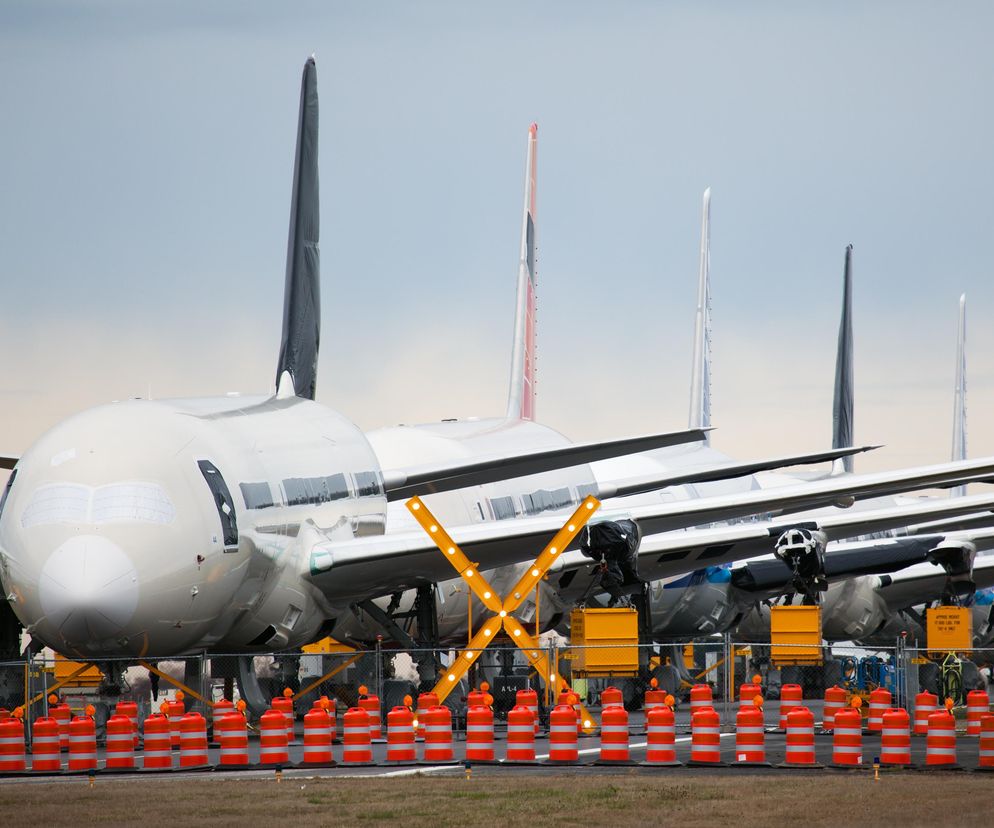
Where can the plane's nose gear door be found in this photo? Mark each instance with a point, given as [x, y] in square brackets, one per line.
[225, 505]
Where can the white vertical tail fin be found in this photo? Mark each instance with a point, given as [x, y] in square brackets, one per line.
[700, 378]
[521, 395]
[843, 402]
[959, 397]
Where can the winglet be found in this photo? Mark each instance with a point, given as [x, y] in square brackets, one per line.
[959, 398]
[521, 394]
[842, 406]
[298, 361]
[700, 378]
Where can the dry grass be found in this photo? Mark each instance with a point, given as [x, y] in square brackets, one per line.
[505, 799]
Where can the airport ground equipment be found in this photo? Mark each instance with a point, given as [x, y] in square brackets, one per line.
[357, 747]
[801, 739]
[847, 738]
[520, 734]
[705, 737]
[158, 754]
[791, 696]
[925, 705]
[880, 700]
[986, 760]
[12, 755]
[400, 736]
[750, 747]
[46, 757]
[272, 738]
[120, 746]
[835, 700]
[231, 731]
[795, 635]
[317, 737]
[604, 641]
[563, 749]
[502, 609]
[940, 744]
[614, 735]
[82, 743]
[438, 736]
[978, 705]
[895, 738]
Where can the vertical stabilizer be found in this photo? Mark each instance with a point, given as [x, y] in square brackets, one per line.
[959, 398]
[842, 406]
[700, 378]
[521, 395]
[296, 373]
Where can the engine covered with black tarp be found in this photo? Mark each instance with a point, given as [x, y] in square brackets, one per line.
[614, 544]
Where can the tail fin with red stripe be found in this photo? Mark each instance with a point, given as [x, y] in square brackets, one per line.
[521, 395]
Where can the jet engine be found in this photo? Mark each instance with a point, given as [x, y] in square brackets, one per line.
[803, 551]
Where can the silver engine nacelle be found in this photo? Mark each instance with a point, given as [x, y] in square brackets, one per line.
[853, 610]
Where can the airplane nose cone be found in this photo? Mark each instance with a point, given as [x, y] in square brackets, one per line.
[88, 589]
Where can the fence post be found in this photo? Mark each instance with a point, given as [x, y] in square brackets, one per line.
[379, 668]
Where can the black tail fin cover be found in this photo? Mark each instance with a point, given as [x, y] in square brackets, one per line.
[842, 409]
[302, 298]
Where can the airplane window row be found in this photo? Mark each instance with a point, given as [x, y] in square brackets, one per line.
[539, 501]
[301, 491]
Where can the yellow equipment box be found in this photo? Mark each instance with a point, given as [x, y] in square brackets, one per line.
[949, 628]
[90, 677]
[327, 645]
[795, 635]
[605, 642]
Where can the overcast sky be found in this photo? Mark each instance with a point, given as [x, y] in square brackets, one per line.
[146, 153]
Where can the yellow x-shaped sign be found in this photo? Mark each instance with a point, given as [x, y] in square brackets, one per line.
[502, 608]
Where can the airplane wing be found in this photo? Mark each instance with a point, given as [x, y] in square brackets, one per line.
[353, 569]
[422, 480]
[923, 582]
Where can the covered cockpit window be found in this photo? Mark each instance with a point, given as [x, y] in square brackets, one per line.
[132, 502]
[222, 500]
[57, 503]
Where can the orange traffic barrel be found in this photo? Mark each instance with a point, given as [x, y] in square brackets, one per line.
[176, 711]
[193, 741]
[791, 696]
[748, 693]
[654, 698]
[371, 704]
[986, 759]
[425, 700]
[614, 735]
[63, 715]
[231, 731]
[476, 698]
[750, 747]
[925, 705]
[120, 746]
[801, 739]
[284, 705]
[895, 738]
[129, 709]
[12, 745]
[835, 700]
[705, 737]
[82, 744]
[357, 747]
[479, 734]
[400, 736]
[272, 738]
[520, 734]
[940, 743]
[978, 705]
[45, 754]
[157, 752]
[700, 698]
[612, 696]
[880, 702]
[438, 735]
[661, 737]
[847, 738]
[317, 737]
[562, 735]
[571, 699]
[528, 698]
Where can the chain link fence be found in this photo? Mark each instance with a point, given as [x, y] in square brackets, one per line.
[722, 664]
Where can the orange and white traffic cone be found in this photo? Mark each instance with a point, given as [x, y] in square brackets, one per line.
[400, 735]
[895, 738]
[562, 736]
[272, 738]
[520, 735]
[63, 715]
[317, 738]
[438, 748]
[614, 736]
[120, 746]
[847, 737]
[750, 747]
[158, 754]
[231, 731]
[661, 736]
[193, 742]
[880, 700]
[12, 754]
[978, 705]
[925, 705]
[480, 734]
[528, 698]
[801, 739]
[45, 754]
[835, 700]
[791, 696]
[83, 742]
[940, 744]
[986, 756]
[357, 747]
[705, 738]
